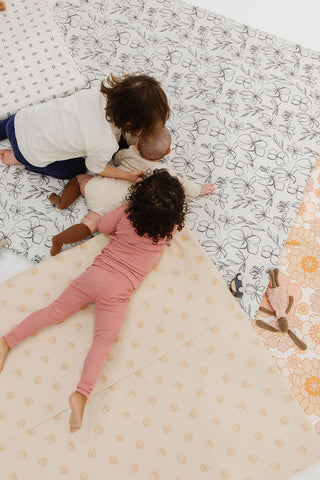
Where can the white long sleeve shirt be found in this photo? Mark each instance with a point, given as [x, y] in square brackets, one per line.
[68, 127]
[129, 159]
[105, 194]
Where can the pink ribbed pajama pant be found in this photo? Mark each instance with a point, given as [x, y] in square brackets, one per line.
[110, 291]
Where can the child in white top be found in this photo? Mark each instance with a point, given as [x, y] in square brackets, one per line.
[68, 136]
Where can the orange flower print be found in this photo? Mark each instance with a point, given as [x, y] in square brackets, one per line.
[301, 236]
[283, 368]
[311, 333]
[315, 301]
[306, 385]
[317, 192]
[315, 227]
[307, 211]
[312, 386]
[295, 322]
[302, 308]
[304, 265]
[309, 185]
[294, 361]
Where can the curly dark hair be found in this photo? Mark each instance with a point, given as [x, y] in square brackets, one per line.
[136, 103]
[156, 205]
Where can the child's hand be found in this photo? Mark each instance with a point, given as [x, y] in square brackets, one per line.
[207, 189]
[136, 176]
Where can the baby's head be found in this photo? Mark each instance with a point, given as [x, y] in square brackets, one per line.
[156, 145]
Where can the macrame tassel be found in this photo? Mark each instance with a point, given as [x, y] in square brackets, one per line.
[266, 326]
[300, 344]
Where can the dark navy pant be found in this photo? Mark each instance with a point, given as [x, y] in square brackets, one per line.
[62, 169]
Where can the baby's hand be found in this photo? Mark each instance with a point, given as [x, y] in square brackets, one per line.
[136, 176]
[207, 188]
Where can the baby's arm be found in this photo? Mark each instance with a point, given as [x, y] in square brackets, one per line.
[113, 172]
[193, 189]
[207, 188]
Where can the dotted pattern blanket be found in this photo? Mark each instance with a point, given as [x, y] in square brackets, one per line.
[188, 390]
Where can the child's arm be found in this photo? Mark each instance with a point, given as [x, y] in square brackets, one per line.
[113, 172]
[108, 223]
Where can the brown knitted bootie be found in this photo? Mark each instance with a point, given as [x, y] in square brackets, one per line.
[73, 234]
[69, 194]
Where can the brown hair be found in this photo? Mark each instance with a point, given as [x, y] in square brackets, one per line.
[155, 146]
[157, 205]
[135, 103]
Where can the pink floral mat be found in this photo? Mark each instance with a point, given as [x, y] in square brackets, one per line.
[299, 267]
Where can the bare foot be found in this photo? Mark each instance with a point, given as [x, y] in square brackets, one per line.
[7, 158]
[4, 350]
[56, 200]
[77, 402]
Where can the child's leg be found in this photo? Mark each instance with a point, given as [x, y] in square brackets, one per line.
[4, 350]
[7, 157]
[76, 233]
[107, 327]
[72, 190]
[3, 129]
[69, 194]
[73, 234]
[109, 316]
[70, 301]
[83, 179]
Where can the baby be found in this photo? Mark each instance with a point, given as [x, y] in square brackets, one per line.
[105, 194]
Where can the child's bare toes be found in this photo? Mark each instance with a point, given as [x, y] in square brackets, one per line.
[7, 157]
[77, 402]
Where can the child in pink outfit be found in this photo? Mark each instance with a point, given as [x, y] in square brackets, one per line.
[140, 230]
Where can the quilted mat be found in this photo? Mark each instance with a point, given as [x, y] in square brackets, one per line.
[245, 115]
[35, 64]
[188, 390]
